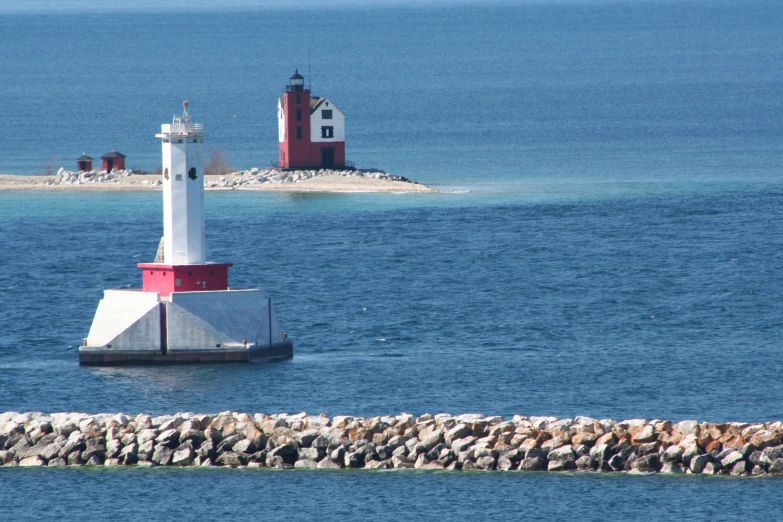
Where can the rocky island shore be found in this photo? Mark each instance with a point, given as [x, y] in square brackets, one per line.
[271, 179]
[427, 442]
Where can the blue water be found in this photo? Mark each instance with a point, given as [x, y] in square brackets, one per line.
[611, 246]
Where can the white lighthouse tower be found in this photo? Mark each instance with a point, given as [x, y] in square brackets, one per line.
[185, 311]
[183, 190]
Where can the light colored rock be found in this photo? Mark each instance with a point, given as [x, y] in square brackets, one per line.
[687, 427]
[32, 461]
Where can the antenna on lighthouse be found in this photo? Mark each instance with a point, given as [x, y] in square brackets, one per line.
[309, 70]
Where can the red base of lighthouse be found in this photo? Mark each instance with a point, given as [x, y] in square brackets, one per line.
[319, 155]
[165, 279]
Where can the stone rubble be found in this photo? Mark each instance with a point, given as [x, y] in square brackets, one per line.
[240, 179]
[428, 442]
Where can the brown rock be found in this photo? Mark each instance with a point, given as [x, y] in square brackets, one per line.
[766, 438]
[713, 446]
[360, 433]
[644, 435]
[732, 441]
[607, 438]
[583, 437]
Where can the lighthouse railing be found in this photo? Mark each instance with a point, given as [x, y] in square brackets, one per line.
[181, 128]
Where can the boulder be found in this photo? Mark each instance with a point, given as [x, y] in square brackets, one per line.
[561, 454]
[741, 467]
[162, 455]
[207, 450]
[338, 454]
[504, 463]
[286, 451]
[561, 465]
[169, 438]
[75, 458]
[402, 462]
[315, 454]
[673, 454]
[146, 450]
[671, 467]
[645, 434]
[689, 452]
[59, 462]
[327, 463]
[460, 431]
[600, 453]
[766, 438]
[732, 458]
[183, 456]
[776, 467]
[95, 460]
[113, 448]
[460, 445]
[646, 464]
[306, 438]
[687, 427]
[31, 461]
[712, 468]
[585, 463]
[378, 464]
[486, 462]
[94, 447]
[277, 462]
[245, 446]
[354, 460]
[306, 464]
[233, 459]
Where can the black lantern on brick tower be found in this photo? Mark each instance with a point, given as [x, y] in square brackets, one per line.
[295, 83]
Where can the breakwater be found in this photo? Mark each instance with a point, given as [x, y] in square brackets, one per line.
[434, 442]
[243, 178]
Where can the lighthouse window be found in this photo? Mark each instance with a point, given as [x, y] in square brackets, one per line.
[165, 141]
[298, 114]
[326, 114]
[327, 132]
[178, 177]
[166, 173]
[299, 133]
[192, 173]
[298, 98]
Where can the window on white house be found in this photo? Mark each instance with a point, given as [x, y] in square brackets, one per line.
[327, 132]
[326, 114]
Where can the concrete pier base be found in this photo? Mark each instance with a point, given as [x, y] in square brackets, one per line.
[89, 356]
[136, 327]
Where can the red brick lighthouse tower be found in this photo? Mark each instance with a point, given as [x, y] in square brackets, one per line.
[311, 129]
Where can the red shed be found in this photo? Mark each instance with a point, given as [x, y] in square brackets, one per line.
[113, 161]
[84, 163]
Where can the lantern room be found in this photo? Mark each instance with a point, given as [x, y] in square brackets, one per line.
[295, 83]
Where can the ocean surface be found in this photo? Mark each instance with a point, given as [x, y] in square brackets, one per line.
[609, 243]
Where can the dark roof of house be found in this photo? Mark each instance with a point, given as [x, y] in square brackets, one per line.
[113, 154]
[316, 102]
[84, 157]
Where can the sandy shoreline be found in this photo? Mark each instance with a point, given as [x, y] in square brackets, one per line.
[325, 183]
